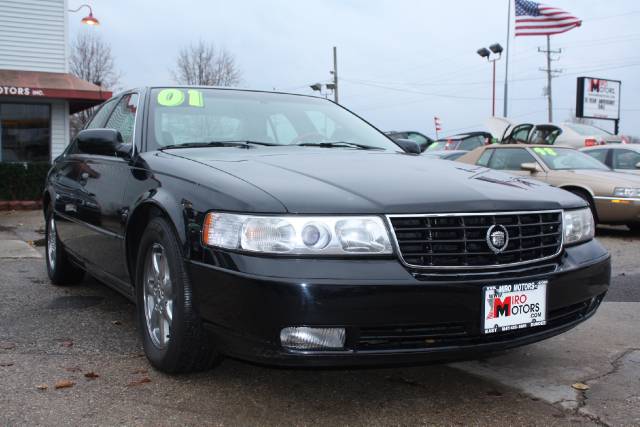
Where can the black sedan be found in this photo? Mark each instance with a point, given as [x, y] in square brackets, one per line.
[284, 229]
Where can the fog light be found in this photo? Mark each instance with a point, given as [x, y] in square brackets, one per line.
[303, 338]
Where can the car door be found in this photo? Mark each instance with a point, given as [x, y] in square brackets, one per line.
[72, 203]
[519, 134]
[103, 179]
[624, 160]
[511, 159]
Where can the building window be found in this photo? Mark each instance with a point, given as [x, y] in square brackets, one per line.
[25, 132]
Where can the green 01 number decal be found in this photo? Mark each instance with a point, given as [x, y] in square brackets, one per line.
[175, 98]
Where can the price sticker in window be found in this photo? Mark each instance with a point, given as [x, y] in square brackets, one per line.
[545, 151]
[176, 97]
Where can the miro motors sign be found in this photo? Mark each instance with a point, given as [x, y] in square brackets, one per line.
[20, 91]
[598, 98]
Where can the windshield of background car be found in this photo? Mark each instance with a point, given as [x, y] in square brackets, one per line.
[567, 158]
[441, 144]
[587, 130]
[185, 115]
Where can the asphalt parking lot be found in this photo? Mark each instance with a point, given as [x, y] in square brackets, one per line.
[83, 340]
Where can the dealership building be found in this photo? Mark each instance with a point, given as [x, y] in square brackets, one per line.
[37, 93]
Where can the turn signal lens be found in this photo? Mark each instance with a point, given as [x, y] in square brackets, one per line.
[303, 338]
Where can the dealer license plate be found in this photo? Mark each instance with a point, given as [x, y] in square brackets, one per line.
[512, 307]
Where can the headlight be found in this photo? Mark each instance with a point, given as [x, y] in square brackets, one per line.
[297, 235]
[626, 192]
[578, 226]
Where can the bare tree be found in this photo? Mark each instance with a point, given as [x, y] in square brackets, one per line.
[204, 64]
[91, 60]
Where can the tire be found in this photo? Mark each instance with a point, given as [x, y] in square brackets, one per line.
[60, 269]
[172, 332]
[634, 227]
[587, 198]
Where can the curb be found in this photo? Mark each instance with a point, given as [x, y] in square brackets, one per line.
[20, 205]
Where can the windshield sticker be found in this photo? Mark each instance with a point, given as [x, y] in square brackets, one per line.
[545, 151]
[175, 98]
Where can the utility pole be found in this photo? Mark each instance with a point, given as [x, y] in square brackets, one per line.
[506, 65]
[335, 74]
[550, 73]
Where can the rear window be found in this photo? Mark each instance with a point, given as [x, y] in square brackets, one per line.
[587, 130]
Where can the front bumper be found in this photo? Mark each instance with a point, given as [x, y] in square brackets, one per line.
[617, 210]
[391, 314]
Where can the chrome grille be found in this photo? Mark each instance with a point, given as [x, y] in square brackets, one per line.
[460, 240]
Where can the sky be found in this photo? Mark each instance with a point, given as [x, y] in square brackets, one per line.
[400, 62]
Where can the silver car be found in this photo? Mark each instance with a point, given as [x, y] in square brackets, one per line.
[620, 157]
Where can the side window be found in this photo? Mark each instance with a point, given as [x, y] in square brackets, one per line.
[282, 129]
[510, 159]
[100, 116]
[123, 117]
[625, 159]
[484, 159]
[598, 154]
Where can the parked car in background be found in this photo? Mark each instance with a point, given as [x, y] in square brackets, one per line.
[464, 141]
[423, 140]
[613, 197]
[243, 224]
[620, 158]
[445, 154]
[576, 135]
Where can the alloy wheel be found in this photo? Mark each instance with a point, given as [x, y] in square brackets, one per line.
[158, 296]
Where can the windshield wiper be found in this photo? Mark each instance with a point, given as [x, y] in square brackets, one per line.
[338, 144]
[238, 143]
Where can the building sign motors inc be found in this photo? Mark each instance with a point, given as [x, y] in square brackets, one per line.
[20, 91]
[598, 98]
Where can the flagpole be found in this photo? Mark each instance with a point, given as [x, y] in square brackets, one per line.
[506, 66]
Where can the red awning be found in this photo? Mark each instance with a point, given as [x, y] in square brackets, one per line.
[35, 84]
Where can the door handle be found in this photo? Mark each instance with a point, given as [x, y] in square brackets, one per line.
[84, 176]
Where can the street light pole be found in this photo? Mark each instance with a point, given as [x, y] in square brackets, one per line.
[335, 74]
[486, 53]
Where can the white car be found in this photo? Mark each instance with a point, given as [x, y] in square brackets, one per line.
[576, 135]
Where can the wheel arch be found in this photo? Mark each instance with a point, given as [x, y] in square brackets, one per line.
[590, 195]
[158, 206]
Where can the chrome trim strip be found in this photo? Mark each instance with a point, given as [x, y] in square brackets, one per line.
[629, 199]
[474, 267]
[92, 227]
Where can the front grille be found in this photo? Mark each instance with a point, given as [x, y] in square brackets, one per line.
[460, 240]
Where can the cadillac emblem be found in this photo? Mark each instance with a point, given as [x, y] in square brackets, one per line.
[497, 238]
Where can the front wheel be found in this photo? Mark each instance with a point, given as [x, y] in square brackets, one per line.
[60, 269]
[173, 335]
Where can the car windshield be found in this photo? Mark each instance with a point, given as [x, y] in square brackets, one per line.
[218, 117]
[587, 130]
[441, 144]
[567, 158]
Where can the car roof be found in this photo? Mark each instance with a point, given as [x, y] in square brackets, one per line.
[633, 147]
[234, 89]
[527, 146]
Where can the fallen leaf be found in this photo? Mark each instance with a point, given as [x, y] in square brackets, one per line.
[42, 386]
[6, 364]
[67, 343]
[64, 384]
[116, 322]
[580, 386]
[139, 382]
[91, 375]
[73, 369]
[6, 345]
[140, 371]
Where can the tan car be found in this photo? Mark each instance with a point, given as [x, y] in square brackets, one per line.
[620, 157]
[614, 197]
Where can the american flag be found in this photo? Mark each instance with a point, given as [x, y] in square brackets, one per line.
[535, 19]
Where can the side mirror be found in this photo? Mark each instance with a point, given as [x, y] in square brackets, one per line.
[409, 146]
[531, 167]
[102, 142]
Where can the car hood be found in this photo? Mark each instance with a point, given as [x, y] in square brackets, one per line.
[322, 180]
